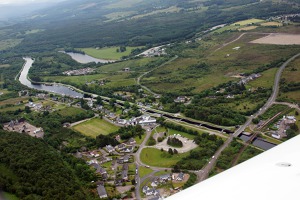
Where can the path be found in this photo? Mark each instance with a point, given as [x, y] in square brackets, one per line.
[144, 74]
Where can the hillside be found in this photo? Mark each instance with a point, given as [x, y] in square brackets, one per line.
[106, 23]
[31, 169]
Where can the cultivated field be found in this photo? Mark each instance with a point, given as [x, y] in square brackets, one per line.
[95, 127]
[279, 39]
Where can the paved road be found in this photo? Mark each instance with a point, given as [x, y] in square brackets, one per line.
[291, 105]
[202, 176]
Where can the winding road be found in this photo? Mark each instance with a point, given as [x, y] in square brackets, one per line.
[203, 175]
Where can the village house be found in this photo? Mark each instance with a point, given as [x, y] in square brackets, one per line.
[120, 147]
[109, 148]
[125, 172]
[165, 178]
[181, 99]
[180, 177]
[131, 141]
[128, 149]
[149, 191]
[102, 191]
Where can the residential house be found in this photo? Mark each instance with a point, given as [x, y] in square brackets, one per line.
[125, 172]
[120, 147]
[102, 191]
[180, 177]
[109, 148]
[128, 149]
[165, 177]
[149, 191]
[126, 158]
[131, 141]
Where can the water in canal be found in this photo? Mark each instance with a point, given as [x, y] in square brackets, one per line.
[59, 89]
[83, 58]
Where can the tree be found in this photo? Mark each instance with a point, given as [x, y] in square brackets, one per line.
[27, 109]
[175, 151]
[99, 100]
[126, 104]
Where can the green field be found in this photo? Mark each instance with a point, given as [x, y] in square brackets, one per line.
[143, 171]
[154, 157]
[223, 64]
[9, 196]
[95, 127]
[266, 80]
[108, 53]
[248, 21]
[70, 111]
[9, 43]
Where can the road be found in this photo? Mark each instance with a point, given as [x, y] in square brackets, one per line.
[202, 176]
[144, 74]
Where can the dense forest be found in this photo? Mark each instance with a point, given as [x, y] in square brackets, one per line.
[33, 170]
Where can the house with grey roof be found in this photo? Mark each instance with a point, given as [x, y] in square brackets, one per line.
[102, 191]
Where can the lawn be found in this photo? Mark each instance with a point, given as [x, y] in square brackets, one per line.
[95, 127]
[138, 140]
[143, 171]
[109, 53]
[155, 157]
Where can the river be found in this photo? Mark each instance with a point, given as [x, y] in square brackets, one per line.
[84, 59]
[55, 88]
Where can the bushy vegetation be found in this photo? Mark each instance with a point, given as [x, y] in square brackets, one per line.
[225, 160]
[197, 158]
[249, 152]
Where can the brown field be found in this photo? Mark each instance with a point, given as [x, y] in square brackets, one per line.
[247, 28]
[272, 24]
[279, 39]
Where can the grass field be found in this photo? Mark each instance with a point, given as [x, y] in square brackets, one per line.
[70, 111]
[247, 28]
[9, 43]
[266, 80]
[248, 21]
[271, 24]
[138, 140]
[9, 196]
[143, 171]
[14, 101]
[154, 157]
[109, 53]
[95, 127]
[223, 63]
